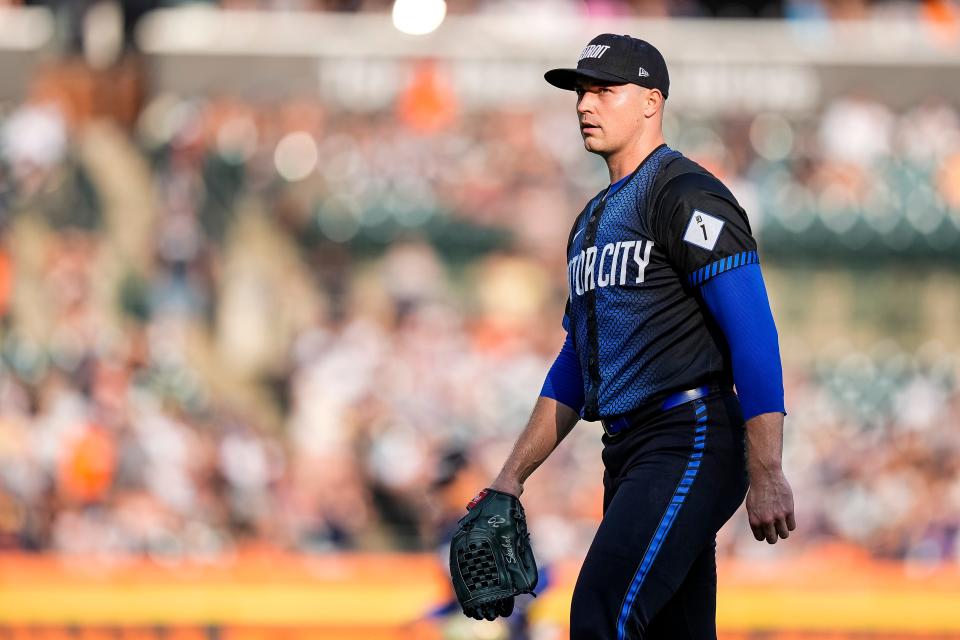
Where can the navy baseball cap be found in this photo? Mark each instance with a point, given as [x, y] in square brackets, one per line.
[619, 59]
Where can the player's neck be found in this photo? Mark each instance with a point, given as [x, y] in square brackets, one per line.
[625, 161]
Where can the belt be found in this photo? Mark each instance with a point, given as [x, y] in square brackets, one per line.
[613, 426]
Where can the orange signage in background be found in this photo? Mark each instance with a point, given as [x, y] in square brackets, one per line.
[834, 593]
[428, 103]
[87, 466]
[6, 280]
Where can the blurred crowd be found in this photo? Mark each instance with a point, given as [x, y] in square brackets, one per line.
[857, 174]
[274, 324]
[935, 11]
[803, 9]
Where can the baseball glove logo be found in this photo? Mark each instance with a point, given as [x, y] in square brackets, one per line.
[508, 552]
[496, 521]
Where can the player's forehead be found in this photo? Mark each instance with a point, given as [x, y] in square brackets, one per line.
[589, 83]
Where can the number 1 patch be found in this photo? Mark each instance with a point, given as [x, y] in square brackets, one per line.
[703, 230]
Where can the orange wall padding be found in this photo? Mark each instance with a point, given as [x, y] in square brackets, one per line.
[833, 590]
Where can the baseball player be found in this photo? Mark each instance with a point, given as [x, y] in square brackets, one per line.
[667, 311]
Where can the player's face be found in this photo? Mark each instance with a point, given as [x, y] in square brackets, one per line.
[611, 115]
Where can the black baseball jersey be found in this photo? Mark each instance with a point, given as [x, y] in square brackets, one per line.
[634, 262]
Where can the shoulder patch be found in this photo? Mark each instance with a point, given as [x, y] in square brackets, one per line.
[703, 230]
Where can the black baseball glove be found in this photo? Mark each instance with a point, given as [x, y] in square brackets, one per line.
[490, 556]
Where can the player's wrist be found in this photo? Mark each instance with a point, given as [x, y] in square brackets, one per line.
[764, 470]
[762, 457]
[508, 485]
[764, 435]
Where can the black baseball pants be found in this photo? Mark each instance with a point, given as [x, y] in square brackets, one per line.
[671, 480]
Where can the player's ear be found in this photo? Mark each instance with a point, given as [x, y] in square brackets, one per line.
[652, 103]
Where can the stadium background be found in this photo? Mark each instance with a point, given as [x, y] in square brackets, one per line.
[279, 284]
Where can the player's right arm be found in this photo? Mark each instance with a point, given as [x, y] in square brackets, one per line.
[549, 424]
[555, 414]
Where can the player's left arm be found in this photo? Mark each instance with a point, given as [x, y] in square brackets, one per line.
[709, 239]
[737, 300]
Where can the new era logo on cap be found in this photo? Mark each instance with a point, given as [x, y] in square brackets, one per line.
[616, 59]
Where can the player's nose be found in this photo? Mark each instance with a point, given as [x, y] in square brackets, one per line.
[585, 104]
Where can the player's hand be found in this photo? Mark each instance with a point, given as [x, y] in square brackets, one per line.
[770, 505]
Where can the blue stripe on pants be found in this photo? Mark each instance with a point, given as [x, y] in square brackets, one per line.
[666, 521]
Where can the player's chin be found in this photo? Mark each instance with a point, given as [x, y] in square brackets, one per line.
[592, 143]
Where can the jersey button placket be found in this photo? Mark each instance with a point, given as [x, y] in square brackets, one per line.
[589, 240]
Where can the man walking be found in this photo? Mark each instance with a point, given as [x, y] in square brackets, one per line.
[666, 312]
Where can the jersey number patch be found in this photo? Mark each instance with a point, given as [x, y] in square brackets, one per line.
[703, 230]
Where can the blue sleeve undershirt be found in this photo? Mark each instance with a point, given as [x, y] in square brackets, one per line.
[737, 299]
[564, 382]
